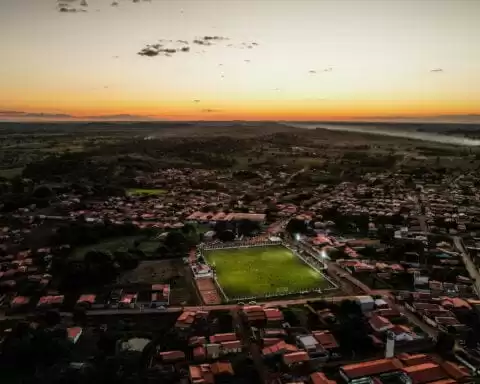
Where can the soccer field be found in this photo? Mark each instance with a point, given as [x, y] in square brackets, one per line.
[257, 271]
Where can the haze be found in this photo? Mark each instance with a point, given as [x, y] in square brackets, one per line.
[297, 60]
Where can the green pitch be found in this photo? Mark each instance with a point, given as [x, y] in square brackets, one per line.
[256, 271]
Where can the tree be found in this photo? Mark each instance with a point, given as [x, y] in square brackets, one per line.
[226, 236]
[247, 227]
[296, 226]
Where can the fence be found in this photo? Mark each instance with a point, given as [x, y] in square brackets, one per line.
[317, 266]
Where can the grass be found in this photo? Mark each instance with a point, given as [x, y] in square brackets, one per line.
[146, 191]
[11, 172]
[258, 271]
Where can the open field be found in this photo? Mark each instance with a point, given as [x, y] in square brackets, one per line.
[120, 244]
[258, 271]
[144, 191]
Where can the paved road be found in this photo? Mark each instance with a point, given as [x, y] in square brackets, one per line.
[469, 265]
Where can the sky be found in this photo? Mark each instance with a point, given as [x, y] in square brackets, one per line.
[244, 60]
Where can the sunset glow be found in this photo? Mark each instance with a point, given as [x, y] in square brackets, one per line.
[311, 60]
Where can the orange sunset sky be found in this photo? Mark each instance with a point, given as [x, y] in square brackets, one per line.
[248, 59]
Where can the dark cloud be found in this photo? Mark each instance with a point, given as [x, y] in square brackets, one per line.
[30, 115]
[11, 113]
[70, 10]
[114, 3]
[84, 3]
[185, 49]
[329, 69]
[436, 70]
[196, 101]
[210, 110]
[247, 61]
[182, 42]
[149, 51]
[216, 38]
[201, 42]
[312, 71]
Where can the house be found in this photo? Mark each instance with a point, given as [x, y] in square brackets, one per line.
[278, 349]
[233, 346]
[50, 301]
[206, 373]
[19, 301]
[222, 337]
[326, 340]
[213, 351]
[273, 315]
[86, 300]
[295, 358]
[254, 313]
[424, 373]
[320, 378]
[74, 334]
[380, 323]
[160, 295]
[351, 372]
[199, 353]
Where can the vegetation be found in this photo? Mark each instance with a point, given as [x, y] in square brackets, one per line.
[146, 191]
[262, 270]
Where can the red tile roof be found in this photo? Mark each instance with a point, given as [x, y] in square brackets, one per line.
[379, 323]
[371, 368]
[295, 357]
[280, 347]
[417, 359]
[326, 339]
[221, 337]
[320, 378]
[172, 355]
[273, 314]
[454, 371]
[423, 373]
[221, 367]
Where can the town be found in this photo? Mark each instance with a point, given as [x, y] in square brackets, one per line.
[273, 257]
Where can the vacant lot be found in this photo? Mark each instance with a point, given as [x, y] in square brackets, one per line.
[258, 271]
[170, 271]
[120, 244]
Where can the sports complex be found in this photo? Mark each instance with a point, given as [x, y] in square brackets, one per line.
[251, 270]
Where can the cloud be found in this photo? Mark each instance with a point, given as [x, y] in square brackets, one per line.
[201, 42]
[312, 71]
[21, 115]
[216, 38]
[11, 113]
[436, 70]
[182, 42]
[114, 3]
[84, 3]
[328, 69]
[196, 101]
[185, 49]
[247, 61]
[210, 110]
[149, 51]
[70, 10]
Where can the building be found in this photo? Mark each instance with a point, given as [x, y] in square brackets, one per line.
[160, 295]
[352, 372]
[74, 334]
[206, 373]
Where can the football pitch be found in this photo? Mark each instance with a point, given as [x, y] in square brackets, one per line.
[258, 271]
